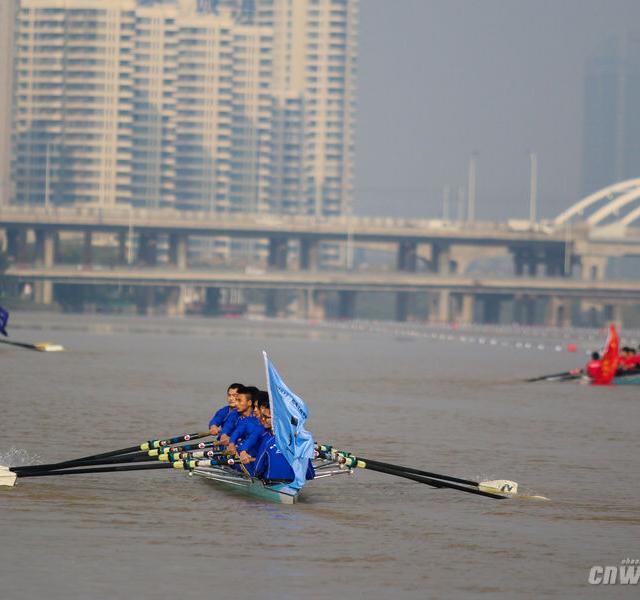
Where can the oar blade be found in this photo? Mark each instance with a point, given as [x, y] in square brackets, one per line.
[499, 486]
[48, 347]
[7, 477]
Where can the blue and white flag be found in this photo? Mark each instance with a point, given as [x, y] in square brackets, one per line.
[4, 318]
[288, 414]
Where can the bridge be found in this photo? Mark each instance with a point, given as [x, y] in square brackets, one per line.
[561, 263]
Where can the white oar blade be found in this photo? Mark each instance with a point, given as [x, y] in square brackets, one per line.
[499, 486]
[7, 478]
[48, 347]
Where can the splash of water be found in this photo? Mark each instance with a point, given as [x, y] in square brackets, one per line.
[18, 457]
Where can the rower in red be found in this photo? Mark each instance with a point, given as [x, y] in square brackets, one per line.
[594, 367]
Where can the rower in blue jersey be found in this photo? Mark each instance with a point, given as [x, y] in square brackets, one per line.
[218, 420]
[270, 464]
[245, 438]
[234, 416]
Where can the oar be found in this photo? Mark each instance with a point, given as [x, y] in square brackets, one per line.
[114, 460]
[145, 447]
[40, 346]
[568, 374]
[432, 479]
[8, 477]
[175, 452]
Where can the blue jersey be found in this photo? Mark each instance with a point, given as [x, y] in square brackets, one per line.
[221, 415]
[246, 436]
[271, 464]
[230, 422]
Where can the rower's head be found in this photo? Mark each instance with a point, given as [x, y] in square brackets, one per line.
[262, 400]
[244, 399]
[232, 393]
[253, 391]
[265, 411]
[595, 356]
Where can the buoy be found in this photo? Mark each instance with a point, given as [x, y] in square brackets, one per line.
[572, 347]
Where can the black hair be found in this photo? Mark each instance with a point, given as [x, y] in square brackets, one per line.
[251, 390]
[263, 399]
[235, 386]
[595, 356]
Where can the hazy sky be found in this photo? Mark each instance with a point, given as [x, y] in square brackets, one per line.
[441, 79]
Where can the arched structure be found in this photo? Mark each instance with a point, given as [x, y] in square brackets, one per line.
[618, 204]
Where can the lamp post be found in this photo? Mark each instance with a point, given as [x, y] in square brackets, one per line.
[533, 188]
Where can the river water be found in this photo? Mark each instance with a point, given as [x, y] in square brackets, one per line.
[399, 395]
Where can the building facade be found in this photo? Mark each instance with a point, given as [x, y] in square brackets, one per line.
[611, 130]
[221, 105]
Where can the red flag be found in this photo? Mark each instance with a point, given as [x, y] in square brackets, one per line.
[610, 358]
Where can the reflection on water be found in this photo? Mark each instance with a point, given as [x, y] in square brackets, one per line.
[444, 405]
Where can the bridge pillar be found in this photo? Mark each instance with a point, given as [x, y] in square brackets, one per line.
[178, 244]
[346, 304]
[49, 248]
[277, 253]
[212, 301]
[518, 262]
[275, 302]
[462, 309]
[87, 250]
[147, 249]
[441, 259]
[524, 310]
[17, 245]
[491, 304]
[407, 256]
[122, 248]
[39, 247]
[311, 305]
[593, 268]
[43, 292]
[554, 262]
[145, 300]
[558, 312]
[402, 306]
[308, 255]
[440, 307]
[613, 314]
[176, 302]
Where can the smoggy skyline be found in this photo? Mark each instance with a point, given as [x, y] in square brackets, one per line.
[442, 79]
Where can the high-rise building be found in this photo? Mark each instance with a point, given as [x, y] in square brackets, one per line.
[73, 101]
[314, 95]
[611, 138]
[7, 22]
[221, 105]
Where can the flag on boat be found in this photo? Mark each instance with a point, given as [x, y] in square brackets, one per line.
[610, 358]
[4, 318]
[288, 415]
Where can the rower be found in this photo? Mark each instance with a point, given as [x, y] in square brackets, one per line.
[629, 360]
[232, 421]
[271, 465]
[218, 420]
[245, 438]
[594, 366]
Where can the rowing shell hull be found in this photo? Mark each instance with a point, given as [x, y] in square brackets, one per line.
[232, 480]
[627, 380]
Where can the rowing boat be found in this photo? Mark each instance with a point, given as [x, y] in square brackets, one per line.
[631, 379]
[279, 493]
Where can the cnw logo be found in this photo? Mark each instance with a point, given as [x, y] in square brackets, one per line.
[628, 573]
